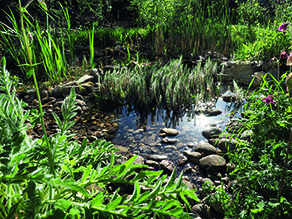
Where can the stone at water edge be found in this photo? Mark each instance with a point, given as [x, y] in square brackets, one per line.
[211, 132]
[169, 131]
[206, 149]
[85, 79]
[167, 166]
[212, 163]
[226, 145]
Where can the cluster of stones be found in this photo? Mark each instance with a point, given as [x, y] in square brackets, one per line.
[246, 72]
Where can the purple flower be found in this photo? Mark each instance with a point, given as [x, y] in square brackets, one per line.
[268, 99]
[283, 27]
[284, 55]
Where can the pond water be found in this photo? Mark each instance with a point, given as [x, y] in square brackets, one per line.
[140, 132]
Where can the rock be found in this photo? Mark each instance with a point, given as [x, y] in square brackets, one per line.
[204, 180]
[85, 79]
[239, 70]
[212, 163]
[213, 112]
[153, 163]
[246, 135]
[122, 150]
[202, 209]
[256, 79]
[139, 160]
[230, 167]
[156, 157]
[224, 78]
[167, 166]
[226, 145]
[211, 132]
[206, 148]
[228, 97]
[264, 66]
[216, 204]
[235, 125]
[168, 140]
[192, 154]
[169, 131]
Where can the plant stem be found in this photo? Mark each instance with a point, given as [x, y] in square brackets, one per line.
[283, 174]
[51, 161]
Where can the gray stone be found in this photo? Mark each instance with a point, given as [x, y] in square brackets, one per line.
[256, 79]
[213, 112]
[228, 97]
[169, 131]
[85, 79]
[211, 132]
[139, 160]
[202, 209]
[239, 70]
[226, 145]
[122, 150]
[153, 163]
[168, 140]
[224, 78]
[156, 157]
[212, 163]
[235, 125]
[206, 148]
[167, 166]
[192, 154]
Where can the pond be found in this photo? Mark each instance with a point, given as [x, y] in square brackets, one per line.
[141, 132]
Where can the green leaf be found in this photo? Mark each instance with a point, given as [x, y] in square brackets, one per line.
[43, 4]
[63, 204]
[86, 173]
[12, 211]
[135, 195]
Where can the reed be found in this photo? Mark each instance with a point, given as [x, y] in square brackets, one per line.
[173, 85]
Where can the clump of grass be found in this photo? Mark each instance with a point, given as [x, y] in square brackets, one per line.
[173, 85]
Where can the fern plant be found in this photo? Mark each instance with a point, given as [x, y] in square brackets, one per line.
[72, 182]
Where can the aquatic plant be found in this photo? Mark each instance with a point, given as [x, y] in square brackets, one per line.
[173, 86]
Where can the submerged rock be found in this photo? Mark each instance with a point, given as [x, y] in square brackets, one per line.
[169, 131]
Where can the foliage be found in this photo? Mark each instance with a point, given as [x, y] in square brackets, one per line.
[258, 42]
[72, 181]
[173, 85]
[259, 162]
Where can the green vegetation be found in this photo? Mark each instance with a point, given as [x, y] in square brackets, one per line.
[173, 85]
[56, 177]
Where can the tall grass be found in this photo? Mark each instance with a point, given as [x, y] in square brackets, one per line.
[172, 85]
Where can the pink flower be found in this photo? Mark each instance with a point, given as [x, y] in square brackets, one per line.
[283, 27]
[268, 99]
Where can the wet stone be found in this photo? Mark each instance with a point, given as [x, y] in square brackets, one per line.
[156, 157]
[167, 166]
[153, 163]
[206, 148]
[211, 132]
[169, 131]
[169, 140]
[212, 163]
